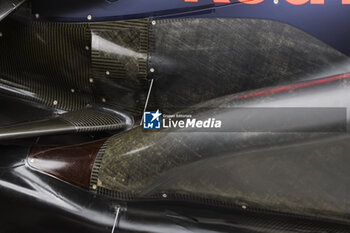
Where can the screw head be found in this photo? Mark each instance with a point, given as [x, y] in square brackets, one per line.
[152, 70]
[154, 22]
[94, 187]
[164, 195]
[72, 90]
[91, 80]
[89, 17]
[55, 102]
[107, 72]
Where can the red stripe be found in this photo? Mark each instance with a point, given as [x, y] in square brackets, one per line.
[293, 87]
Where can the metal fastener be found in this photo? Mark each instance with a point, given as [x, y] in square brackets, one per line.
[94, 187]
[91, 80]
[55, 102]
[164, 195]
[72, 90]
[154, 22]
[89, 17]
[152, 70]
[107, 72]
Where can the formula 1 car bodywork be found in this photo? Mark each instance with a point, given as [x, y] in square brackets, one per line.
[77, 76]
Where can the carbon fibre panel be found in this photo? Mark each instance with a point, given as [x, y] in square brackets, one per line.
[296, 172]
[57, 67]
[64, 66]
[119, 63]
[199, 59]
[107, 62]
[92, 119]
[7, 6]
[46, 63]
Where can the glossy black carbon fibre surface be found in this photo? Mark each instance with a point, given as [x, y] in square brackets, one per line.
[198, 59]
[267, 181]
[46, 63]
[98, 119]
[91, 119]
[37, 203]
[64, 67]
[296, 172]
[48, 66]
[159, 217]
[119, 63]
[7, 6]
[29, 111]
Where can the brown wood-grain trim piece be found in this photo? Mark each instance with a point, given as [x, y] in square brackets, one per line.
[72, 164]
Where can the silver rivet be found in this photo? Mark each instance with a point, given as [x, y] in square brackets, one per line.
[154, 22]
[72, 90]
[87, 47]
[94, 187]
[164, 195]
[91, 80]
[152, 70]
[37, 15]
[244, 207]
[55, 102]
[0, 34]
[107, 72]
[89, 17]
[32, 160]
[103, 100]
[275, 1]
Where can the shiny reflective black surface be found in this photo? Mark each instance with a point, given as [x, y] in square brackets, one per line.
[13, 156]
[197, 59]
[70, 163]
[37, 203]
[282, 168]
[34, 202]
[7, 6]
[280, 163]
